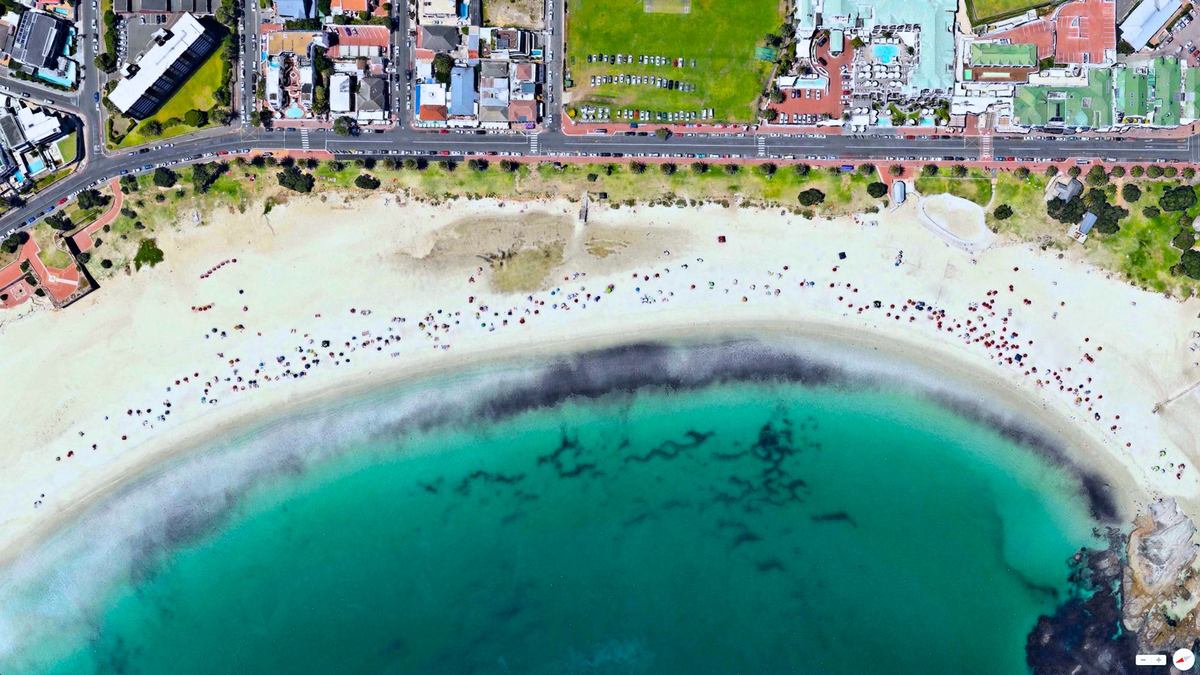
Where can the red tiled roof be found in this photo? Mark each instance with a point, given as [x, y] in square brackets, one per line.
[363, 36]
[522, 111]
[434, 112]
[349, 5]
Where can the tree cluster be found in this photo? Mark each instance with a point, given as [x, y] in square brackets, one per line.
[293, 178]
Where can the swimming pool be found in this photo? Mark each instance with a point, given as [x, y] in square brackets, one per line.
[885, 53]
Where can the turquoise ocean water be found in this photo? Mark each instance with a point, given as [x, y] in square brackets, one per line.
[737, 527]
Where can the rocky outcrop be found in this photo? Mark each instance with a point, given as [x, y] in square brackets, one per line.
[1082, 635]
[1161, 586]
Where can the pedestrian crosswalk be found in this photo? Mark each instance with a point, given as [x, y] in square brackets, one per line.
[985, 147]
[762, 146]
[304, 139]
[533, 144]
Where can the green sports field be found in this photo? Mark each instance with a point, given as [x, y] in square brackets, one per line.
[721, 35]
[984, 11]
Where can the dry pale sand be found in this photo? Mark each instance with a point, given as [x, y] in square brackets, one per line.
[103, 371]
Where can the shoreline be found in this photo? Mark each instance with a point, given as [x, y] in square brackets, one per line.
[1043, 423]
[427, 259]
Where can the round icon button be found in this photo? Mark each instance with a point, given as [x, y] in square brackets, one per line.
[1183, 659]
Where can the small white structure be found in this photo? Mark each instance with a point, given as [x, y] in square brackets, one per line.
[899, 192]
[340, 98]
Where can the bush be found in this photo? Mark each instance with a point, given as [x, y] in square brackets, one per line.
[876, 189]
[1178, 198]
[195, 118]
[1189, 173]
[768, 169]
[663, 133]
[1136, 171]
[148, 253]
[1117, 172]
[1022, 172]
[1051, 171]
[205, 174]
[959, 171]
[1151, 212]
[1185, 240]
[365, 181]
[1003, 212]
[732, 169]
[293, 178]
[929, 170]
[164, 177]
[152, 128]
[1074, 172]
[59, 221]
[668, 168]
[1170, 172]
[802, 169]
[637, 167]
[1131, 193]
[896, 170]
[1155, 171]
[699, 168]
[811, 197]
[477, 164]
[866, 169]
[442, 65]
[1190, 263]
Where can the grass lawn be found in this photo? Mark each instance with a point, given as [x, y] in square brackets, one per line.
[720, 35]
[1142, 249]
[195, 94]
[1026, 198]
[69, 147]
[975, 186]
[983, 11]
[47, 238]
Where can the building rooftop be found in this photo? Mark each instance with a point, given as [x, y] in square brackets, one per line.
[1147, 19]
[163, 68]
[1006, 55]
[1085, 32]
[440, 38]
[463, 96]
[1167, 85]
[340, 100]
[1089, 106]
[38, 40]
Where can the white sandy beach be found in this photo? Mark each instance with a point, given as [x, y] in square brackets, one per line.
[1096, 355]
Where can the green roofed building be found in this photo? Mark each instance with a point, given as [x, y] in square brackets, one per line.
[1089, 106]
[1167, 84]
[1133, 94]
[1003, 56]
[1191, 94]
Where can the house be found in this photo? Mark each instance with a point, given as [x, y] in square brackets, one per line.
[343, 7]
[340, 98]
[1068, 189]
[463, 97]
[38, 41]
[1146, 20]
[1080, 232]
[440, 38]
[431, 102]
[371, 99]
[296, 9]
[523, 112]
[176, 53]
